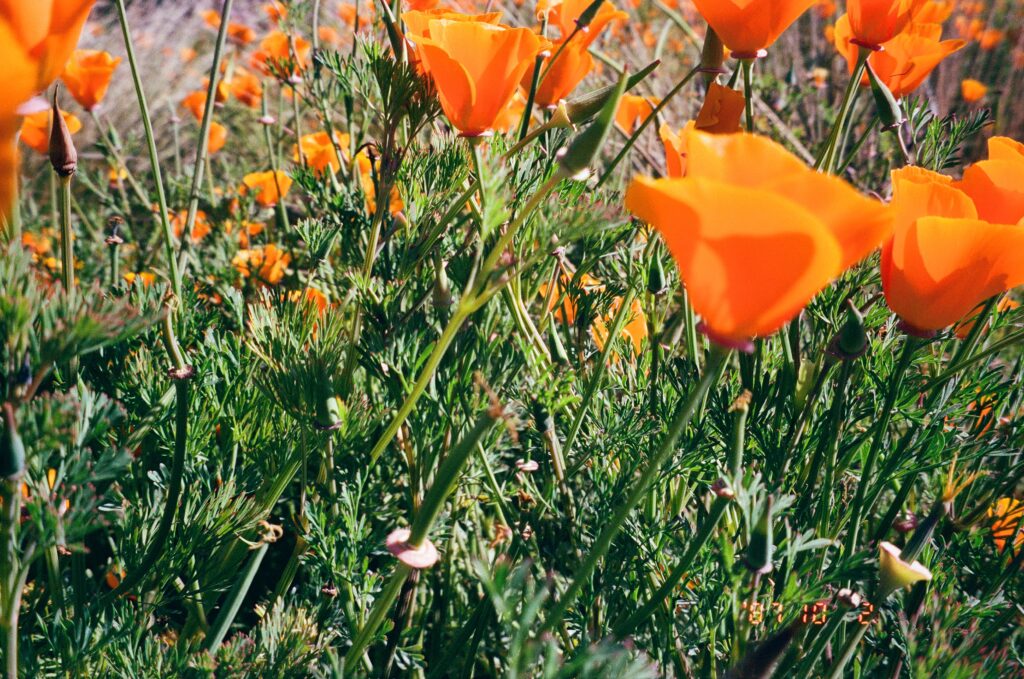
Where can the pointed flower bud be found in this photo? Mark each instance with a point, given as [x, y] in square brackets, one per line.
[581, 109]
[889, 111]
[574, 160]
[762, 544]
[63, 155]
[852, 340]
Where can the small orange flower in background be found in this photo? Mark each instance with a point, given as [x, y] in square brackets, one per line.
[267, 187]
[1006, 515]
[566, 13]
[964, 328]
[563, 299]
[144, 277]
[275, 54]
[268, 264]
[990, 38]
[476, 68]
[366, 172]
[943, 261]
[634, 110]
[747, 27]
[311, 296]
[328, 36]
[195, 103]
[973, 90]
[246, 87]
[246, 232]
[510, 117]
[200, 229]
[35, 129]
[87, 76]
[240, 34]
[319, 152]
[906, 60]
[275, 11]
[756, 234]
[876, 22]
[635, 328]
[572, 66]
[218, 137]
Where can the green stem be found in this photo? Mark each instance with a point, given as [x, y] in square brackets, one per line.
[849, 649]
[882, 429]
[67, 245]
[685, 413]
[154, 158]
[748, 91]
[827, 160]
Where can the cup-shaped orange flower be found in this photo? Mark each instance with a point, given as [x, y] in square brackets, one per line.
[572, 65]
[567, 13]
[87, 76]
[747, 27]
[905, 61]
[756, 234]
[996, 185]
[876, 22]
[943, 261]
[476, 68]
[319, 152]
[417, 21]
[267, 187]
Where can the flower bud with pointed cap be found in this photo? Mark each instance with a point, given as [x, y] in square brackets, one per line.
[558, 352]
[712, 56]
[852, 340]
[63, 156]
[657, 283]
[575, 159]
[581, 109]
[889, 111]
[12, 450]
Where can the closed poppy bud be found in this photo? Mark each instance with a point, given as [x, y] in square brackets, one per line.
[581, 109]
[762, 542]
[875, 22]
[657, 283]
[712, 56]
[12, 450]
[555, 346]
[888, 109]
[894, 573]
[852, 340]
[87, 76]
[575, 159]
[63, 156]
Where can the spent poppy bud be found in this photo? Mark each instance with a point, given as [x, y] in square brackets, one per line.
[12, 450]
[575, 159]
[852, 340]
[762, 544]
[889, 111]
[63, 155]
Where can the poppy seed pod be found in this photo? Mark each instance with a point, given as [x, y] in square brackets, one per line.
[574, 160]
[63, 156]
[852, 340]
[712, 56]
[12, 450]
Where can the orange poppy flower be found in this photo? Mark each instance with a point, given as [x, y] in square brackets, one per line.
[275, 55]
[240, 34]
[218, 137]
[747, 27]
[319, 152]
[973, 90]
[722, 110]
[564, 299]
[566, 13]
[87, 76]
[420, 5]
[634, 110]
[932, 11]
[268, 263]
[195, 102]
[476, 68]
[1006, 515]
[145, 277]
[512, 115]
[675, 148]
[943, 261]
[311, 296]
[572, 65]
[635, 328]
[275, 11]
[246, 87]
[996, 185]
[35, 129]
[876, 22]
[366, 172]
[200, 229]
[755, 233]
[268, 187]
[905, 61]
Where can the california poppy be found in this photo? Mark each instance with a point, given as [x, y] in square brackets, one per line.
[1006, 515]
[476, 68]
[246, 87]
[366, 173]
[218, 137]
[675, 148]
[275, 54]
[566, 14]
[943, 261]
[996, 185]
[268, 263]
[87, 76]
[747, 27]
[200, 228]
[268, 187]
[634, 329]
[634, 110]
[973, 90]
[195, 102]
[572, 65]
[721, 111]
[876, 22]
[35, 129]
[319, 152]
[908, 58]
[755, 232]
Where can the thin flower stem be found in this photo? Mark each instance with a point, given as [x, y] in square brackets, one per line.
[686, 411]
[857, 508]
[67, 237]
[204, 135]
[849, 649]
[154, 157]
[827, 161]
[748, 91]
